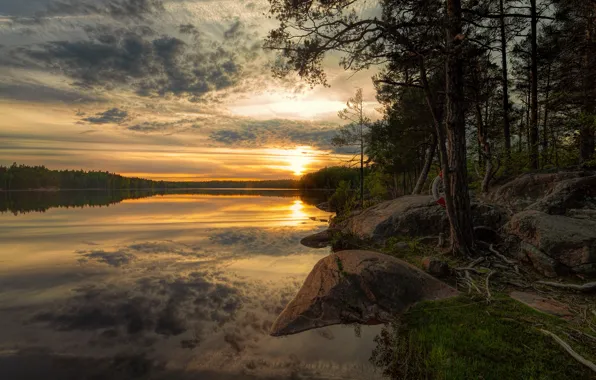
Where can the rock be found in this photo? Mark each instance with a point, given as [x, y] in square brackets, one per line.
[526, 189]
[542, 304]
[413, 216]
[571, 194]
[435, 267]
[325, 206]
[357, 287]
[318, 240]
[556, 244]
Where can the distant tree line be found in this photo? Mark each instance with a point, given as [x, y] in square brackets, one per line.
[23, 177]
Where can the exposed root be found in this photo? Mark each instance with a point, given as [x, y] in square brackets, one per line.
[468, 269]
[488, 295]
[570, 351]
[586, 288]
[476, 262]
[499, 255]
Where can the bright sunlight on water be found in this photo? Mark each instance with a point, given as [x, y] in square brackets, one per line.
[171, 286]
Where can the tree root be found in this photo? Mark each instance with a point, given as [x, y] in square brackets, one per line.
[488, 295]
[586, 288]
[570, 350]
[499, 255]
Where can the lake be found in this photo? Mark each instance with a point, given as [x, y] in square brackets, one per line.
[172, 286]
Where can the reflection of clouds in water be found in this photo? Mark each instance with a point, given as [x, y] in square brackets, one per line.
[268, 241]
[115, 259]
[164, 305]
[220, 245]
[188, 302]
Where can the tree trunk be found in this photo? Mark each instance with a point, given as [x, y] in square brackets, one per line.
[534, 156]
[486, 150]
[428, 161]
[456, 175]
[587, 141]
[361, 160]
[506, 125]
[545, 156]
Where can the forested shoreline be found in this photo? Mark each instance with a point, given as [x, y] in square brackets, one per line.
[23, 177]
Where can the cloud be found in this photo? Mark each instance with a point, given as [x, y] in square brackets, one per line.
[166, 126]
[275, 132]
[115, 259]
[114, 115]
[37, 92]
[117, 9]
[133, 59]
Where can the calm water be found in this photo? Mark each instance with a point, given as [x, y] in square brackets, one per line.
[175, 286]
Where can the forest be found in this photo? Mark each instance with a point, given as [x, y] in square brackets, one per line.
[23, 177]
[480, 90]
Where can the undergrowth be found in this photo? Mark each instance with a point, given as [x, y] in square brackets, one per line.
[466, 338]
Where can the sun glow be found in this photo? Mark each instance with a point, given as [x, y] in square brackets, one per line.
[299, 159]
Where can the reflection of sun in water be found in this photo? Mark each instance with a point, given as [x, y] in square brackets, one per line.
[297, 213]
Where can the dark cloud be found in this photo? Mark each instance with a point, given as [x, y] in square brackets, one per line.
[117, 9]
[236, 30]
[114, 115]
[44, 94]
[188, 29]
[166, 126]
[150, 66]
[276, 132]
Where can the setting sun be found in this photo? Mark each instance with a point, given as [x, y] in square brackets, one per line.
[299, 159]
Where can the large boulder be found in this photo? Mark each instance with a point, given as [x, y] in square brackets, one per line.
[568, 197]
[357, 287]
[527, 189]
[556, 244]
[414, 216]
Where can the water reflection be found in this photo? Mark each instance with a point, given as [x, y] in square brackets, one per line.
[173, 286]
[19, 202]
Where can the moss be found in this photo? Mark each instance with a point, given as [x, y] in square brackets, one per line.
[463, 338]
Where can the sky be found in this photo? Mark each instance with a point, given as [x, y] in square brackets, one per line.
[162, 89]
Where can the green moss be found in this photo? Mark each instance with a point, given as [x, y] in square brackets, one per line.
[462, 338]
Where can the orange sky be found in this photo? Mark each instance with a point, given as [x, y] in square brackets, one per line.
[74, 96]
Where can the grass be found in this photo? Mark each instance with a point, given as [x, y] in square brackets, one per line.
[463, 338]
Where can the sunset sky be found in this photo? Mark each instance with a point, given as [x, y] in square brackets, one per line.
[162, 89]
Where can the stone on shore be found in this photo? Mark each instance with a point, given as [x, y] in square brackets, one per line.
[357, 287]
[413, 216]
[556, 244]
[318, 240]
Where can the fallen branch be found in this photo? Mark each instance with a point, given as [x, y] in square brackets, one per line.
[570, 351]
[588, 287]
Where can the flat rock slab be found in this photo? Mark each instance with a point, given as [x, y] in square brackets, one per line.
[357, 287]
[542, 304]
[318, 240]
